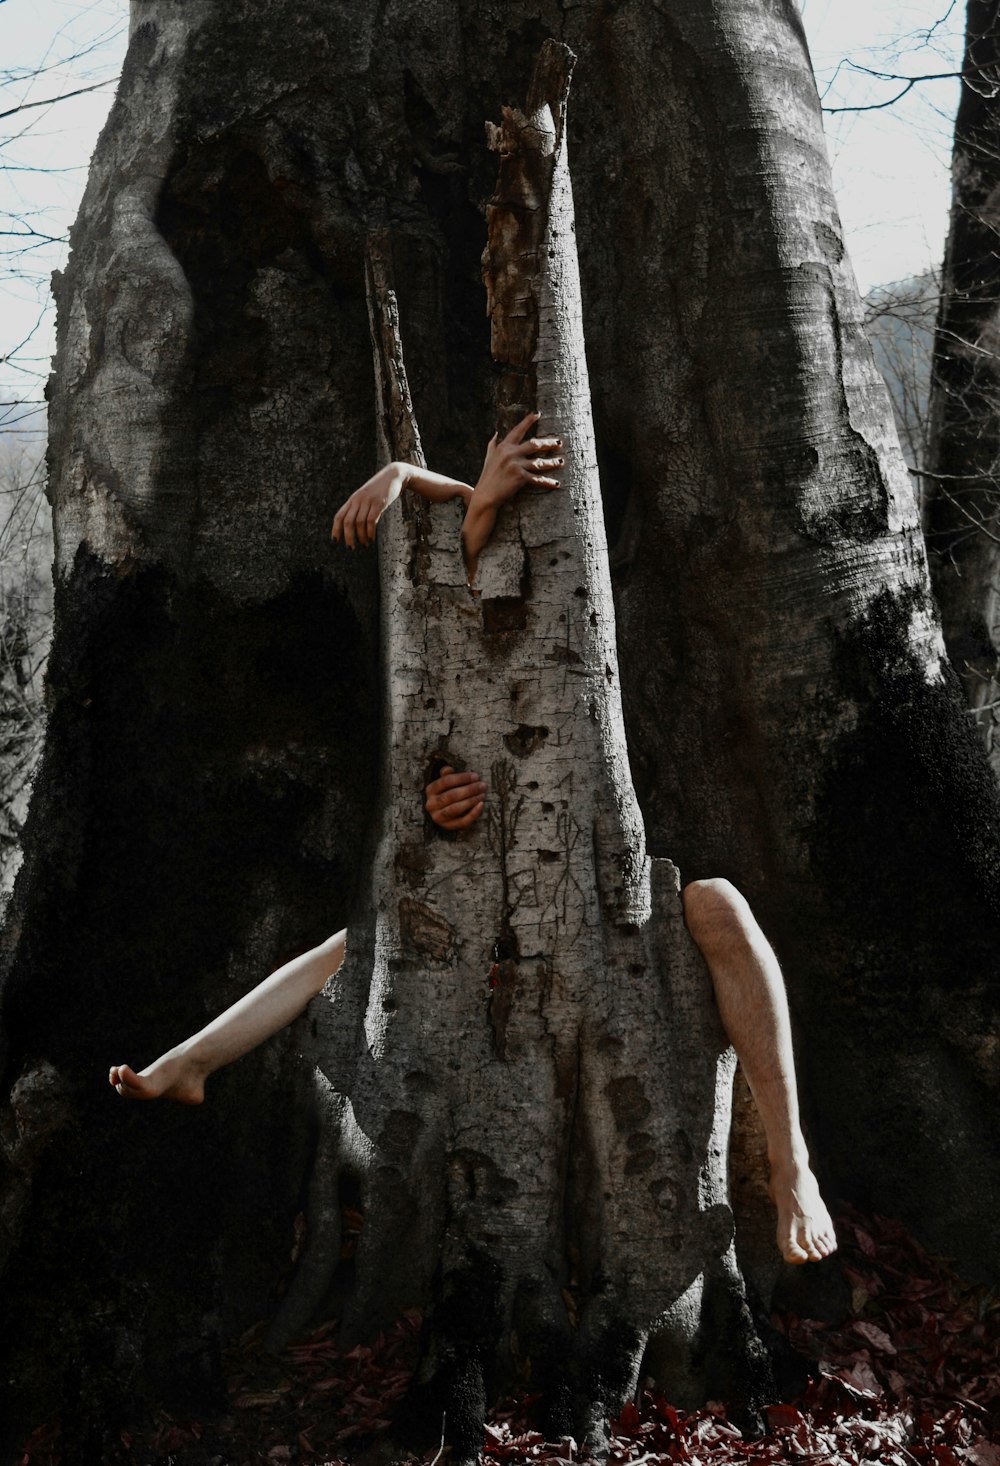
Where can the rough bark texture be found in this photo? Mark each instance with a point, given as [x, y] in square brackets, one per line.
[530, 1083]
[209, 778]
[964, 496]
[793, 725]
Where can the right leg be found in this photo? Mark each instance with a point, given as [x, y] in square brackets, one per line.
[750, 992]
[180, 1074]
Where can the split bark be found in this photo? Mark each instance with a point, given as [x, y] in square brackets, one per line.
[529, 1079]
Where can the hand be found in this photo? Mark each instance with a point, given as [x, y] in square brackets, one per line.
[455, 801]
[356, 521]
[516, 461]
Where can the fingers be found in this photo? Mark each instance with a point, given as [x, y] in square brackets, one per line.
[537, 470]
[356, 521]
[452, 790]
[452, 823]
[537, 458]
[455, 801]
[344, 523]
[446, 813]
[517, 438]
[448, 780]
[518, 431]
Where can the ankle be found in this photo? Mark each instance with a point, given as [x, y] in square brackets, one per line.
[789, 1159]
[185, 1061]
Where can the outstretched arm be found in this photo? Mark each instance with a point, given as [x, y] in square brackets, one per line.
[357, 520]
[180, 1074]
[510, 464]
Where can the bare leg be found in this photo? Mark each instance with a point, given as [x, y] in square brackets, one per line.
[751, 997]
[180, 1074]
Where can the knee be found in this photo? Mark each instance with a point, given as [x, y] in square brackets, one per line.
[714, 911]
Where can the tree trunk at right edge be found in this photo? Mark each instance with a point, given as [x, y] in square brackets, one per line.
[963, 492]
[792, 720]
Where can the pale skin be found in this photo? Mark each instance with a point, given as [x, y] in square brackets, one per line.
[511, 464]
[749, 988]
[750, 994]
[180, 1073]
[453, 801]
[745, 974]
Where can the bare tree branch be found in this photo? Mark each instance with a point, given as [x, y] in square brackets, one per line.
[51, 101]
[911, 82]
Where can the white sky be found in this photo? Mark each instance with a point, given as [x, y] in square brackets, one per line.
[890, 166]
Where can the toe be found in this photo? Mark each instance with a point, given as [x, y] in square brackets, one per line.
[792, 1249]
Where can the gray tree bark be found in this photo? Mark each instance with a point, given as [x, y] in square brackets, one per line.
[963, 493]
[791, 722]
[529, 1083]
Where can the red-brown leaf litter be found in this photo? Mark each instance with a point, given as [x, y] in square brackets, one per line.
[910, 1376]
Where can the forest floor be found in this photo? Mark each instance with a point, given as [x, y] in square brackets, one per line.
[910, 1375]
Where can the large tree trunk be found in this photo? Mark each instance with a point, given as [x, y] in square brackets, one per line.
[208, 779]
[529, 1081]
[792, 721]
[963, 491]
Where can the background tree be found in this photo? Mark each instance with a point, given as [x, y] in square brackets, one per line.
[44, 106]
[791, 722]
[964, 462]
[25, 632]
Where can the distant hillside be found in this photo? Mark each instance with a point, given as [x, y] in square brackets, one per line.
[900, 319]
[25, 616]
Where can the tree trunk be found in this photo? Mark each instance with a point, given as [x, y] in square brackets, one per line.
[792, 722]
[530, 1083]
[964, 490]
[209, 775]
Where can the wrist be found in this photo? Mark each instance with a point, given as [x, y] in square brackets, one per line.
[484, 498]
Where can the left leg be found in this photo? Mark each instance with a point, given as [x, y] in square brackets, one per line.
[750, 993]
[180, 1074]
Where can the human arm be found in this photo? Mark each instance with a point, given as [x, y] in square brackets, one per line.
[510, 464]
[357, 519]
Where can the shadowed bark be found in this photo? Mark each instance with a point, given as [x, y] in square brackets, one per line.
[963, 491]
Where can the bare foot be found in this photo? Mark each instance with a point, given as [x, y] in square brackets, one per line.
[805, 1231]
[173, 1077]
